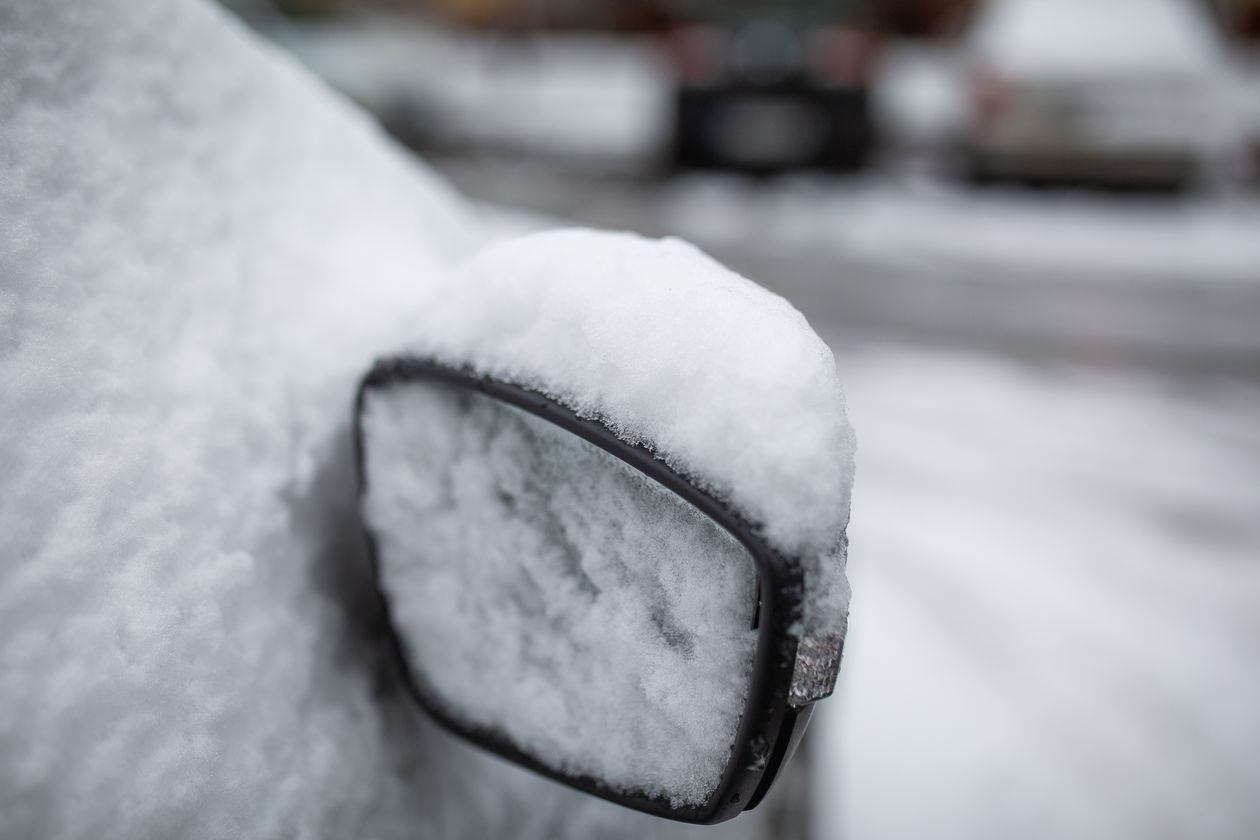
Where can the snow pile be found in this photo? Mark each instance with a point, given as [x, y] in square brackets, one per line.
[725, 380]
[546, 590]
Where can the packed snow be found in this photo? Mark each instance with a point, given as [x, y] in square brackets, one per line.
[723, 379]
[203, 251]
[546, 590]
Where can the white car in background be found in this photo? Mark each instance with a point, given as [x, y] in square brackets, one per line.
[1125, 93]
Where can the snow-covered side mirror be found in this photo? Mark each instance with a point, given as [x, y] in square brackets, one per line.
[578, 575]
[569, 601]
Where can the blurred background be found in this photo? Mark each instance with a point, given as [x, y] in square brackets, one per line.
[1030, 230]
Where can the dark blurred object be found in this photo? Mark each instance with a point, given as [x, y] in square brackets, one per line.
[924, 18]
[1126, 93]
[476, 13]
[762, 87]
[1241, 17]
[313, 8]
[533, 15]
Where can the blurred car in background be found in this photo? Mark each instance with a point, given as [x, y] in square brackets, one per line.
[1125, 93]
[762, 86]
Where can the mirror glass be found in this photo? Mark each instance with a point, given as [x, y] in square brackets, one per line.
[548, 592]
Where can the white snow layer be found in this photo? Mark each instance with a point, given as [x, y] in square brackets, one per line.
[725, 380]
[546, 590]
[202, 251]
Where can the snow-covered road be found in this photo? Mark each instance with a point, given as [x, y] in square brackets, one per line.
[1054, 630]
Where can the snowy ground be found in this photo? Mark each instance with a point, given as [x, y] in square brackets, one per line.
[1054, 630]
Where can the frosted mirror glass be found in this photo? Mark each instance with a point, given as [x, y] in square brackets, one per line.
[546, 591]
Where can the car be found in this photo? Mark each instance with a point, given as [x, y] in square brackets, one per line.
[1124, 93]
[769, 86]
[205, 254]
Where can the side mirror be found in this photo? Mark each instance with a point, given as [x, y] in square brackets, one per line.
[564, 595]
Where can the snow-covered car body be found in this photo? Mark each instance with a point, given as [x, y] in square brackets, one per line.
[1123, 92]
[203, 253]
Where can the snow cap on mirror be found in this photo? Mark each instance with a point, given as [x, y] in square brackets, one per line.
[722, 379]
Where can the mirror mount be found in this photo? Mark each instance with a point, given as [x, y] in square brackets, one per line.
[789, 672]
